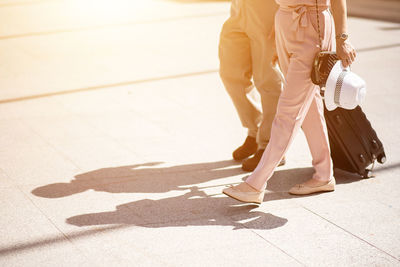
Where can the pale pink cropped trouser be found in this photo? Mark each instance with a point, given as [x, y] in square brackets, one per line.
[300, 104]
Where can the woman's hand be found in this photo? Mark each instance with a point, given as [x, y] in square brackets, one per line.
[344, 49]
[345, 52]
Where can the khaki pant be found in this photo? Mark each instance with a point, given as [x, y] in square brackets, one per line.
[300, 104]
[245, 52]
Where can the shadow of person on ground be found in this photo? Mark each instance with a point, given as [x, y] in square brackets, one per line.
[190, 208]
[149, 178]
[194, 208]
[141, 178]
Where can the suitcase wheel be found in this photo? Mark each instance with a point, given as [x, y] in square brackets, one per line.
[367, 174]
[381, 158]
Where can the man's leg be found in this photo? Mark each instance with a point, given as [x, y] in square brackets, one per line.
[236, 73]
[259, 17]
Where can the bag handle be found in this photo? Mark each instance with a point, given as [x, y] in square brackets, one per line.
[319, 32]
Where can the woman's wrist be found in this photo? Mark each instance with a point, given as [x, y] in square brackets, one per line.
[342, 36]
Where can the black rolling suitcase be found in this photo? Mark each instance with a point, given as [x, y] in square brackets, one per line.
[354, 143]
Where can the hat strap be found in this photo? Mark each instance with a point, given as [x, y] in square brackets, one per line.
[338, 87]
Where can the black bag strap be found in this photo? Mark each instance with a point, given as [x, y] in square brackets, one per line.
[319, 32]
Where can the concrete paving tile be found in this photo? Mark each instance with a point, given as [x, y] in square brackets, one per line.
[156, 177]
[118, 245]
[112, 251]
[96, 102]
[380, 28]
[184, 104]
[171, 211]
[387, 192]
[99, 210]
[356, 209]
[204, 245]
[171, 150]
[238, 253]
[178, 213]
[58, 203]
[95, 153]
[178, 126]
[204, 93]
[64, 254]
[172, 103]
[16, 133]
[5, 181]
[59, 62]
[371, 221]
[126, 127]
[46, 107]
[24, 231]
[351, 187]
[152, 99]
[194, 93]
[314, 241]
[77, 15]
[137, 181]
[199, 242]
[344, 193]
[27, 164]
[181, 212]
[58, 129]
[14, 204]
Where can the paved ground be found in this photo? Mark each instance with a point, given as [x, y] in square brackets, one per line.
[387, 10]
[115, 143]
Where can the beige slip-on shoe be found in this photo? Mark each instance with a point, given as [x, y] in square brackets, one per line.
[302, 189]
[248, 197]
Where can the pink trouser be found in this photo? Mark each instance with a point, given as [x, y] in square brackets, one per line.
[300, 103]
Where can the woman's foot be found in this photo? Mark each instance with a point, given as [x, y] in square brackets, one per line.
[245, 193]
[313, 186]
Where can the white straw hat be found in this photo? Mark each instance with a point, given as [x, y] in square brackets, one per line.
[344, 88]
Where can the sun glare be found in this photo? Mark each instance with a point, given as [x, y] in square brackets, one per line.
[112, 9]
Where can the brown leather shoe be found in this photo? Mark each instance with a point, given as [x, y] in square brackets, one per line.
[251, 163]
[248, 148]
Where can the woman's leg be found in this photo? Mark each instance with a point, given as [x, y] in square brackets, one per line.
[316, 133]
[295, 57]
[293, 105]
[314, 125]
